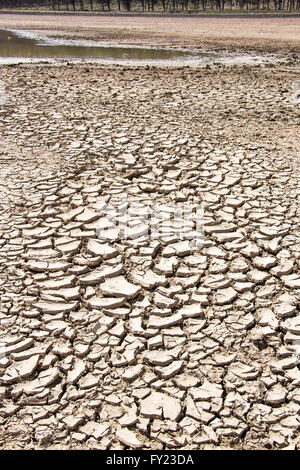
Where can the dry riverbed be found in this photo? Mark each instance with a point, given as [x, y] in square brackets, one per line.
[133, 341]
[264, 34]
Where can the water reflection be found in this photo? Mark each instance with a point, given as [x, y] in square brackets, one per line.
[12, 45]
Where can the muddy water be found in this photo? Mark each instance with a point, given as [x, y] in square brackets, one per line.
[28, 45]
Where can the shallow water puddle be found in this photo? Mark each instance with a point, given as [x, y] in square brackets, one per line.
[21, 44]
[18, 46]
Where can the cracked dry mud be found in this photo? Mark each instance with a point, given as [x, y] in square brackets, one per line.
[126, 343]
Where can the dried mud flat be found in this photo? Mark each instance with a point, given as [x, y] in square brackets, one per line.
[141, 343]
[263, 34]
